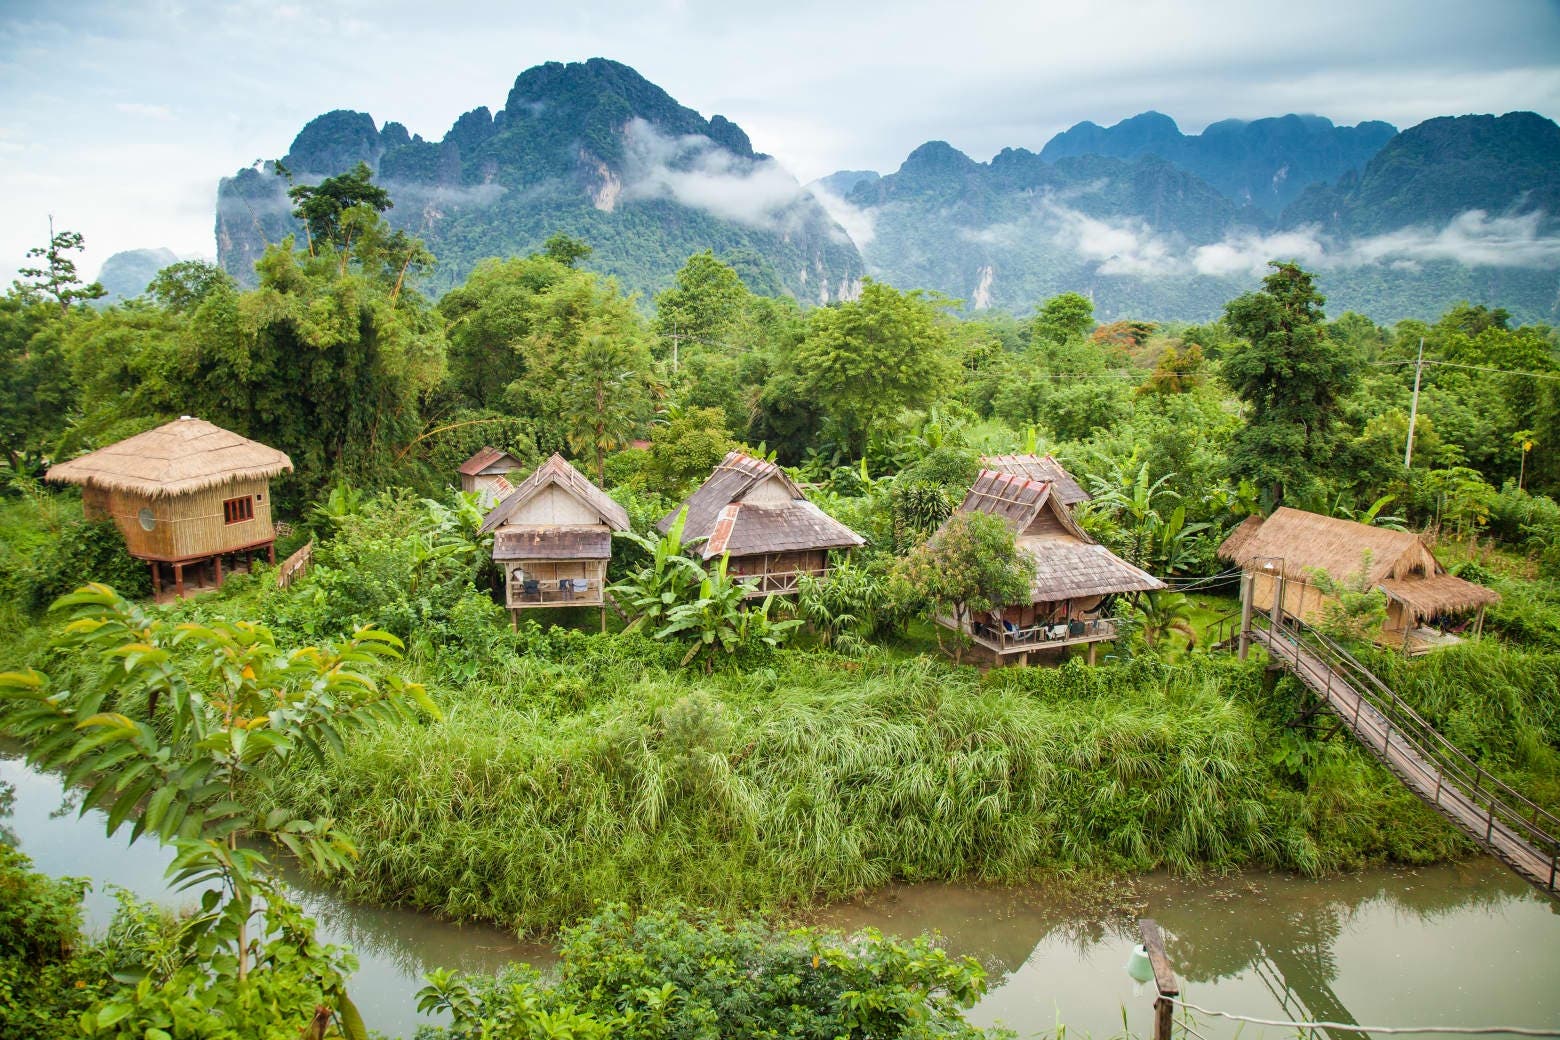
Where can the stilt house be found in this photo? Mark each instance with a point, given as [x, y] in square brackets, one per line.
[488, 473]
[553, 537]
[1042, 468]
[1075, 577]
[192, 499]
[1426, 606]
[751, 511]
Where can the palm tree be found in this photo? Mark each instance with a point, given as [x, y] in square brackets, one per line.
[1166, 612]
[604, 399]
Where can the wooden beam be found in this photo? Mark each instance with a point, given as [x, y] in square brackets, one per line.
[1164, 978]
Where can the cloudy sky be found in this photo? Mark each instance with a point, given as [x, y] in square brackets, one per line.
[119, 117]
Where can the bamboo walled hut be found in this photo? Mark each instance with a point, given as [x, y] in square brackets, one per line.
[1075, 577]
[1042, 468]
[552, 535]
[488, 473]
[190, 498]
[750, 510]
[1289, 547]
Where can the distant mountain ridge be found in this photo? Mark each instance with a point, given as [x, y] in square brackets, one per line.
[1265, 163]
[591, 149]
[1454, 208]
[126, 274]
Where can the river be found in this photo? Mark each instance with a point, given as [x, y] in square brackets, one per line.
[1463, 944]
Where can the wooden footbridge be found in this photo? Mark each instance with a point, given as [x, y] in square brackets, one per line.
[1519, 832]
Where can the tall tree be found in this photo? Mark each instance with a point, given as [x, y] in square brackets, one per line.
[867, 360]
[1292, 377]
[322, 207]
[56, 279]
[970, 566]
[1061, 318]
[605, 395]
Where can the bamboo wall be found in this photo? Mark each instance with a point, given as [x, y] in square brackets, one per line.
[547, 574]
[185, 526]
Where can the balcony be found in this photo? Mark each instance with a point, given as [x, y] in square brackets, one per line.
[1012, 640]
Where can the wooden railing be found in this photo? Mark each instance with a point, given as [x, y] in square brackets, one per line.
[1034, 637]
[544, 593]
[1522, 833]
[778, 583]
[295, 566]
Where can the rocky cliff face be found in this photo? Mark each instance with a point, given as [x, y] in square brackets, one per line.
[591, 149]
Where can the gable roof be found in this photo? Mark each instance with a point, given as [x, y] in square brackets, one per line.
[487, 457]
[176, 458]
[1068, 563]
[556, 470]
[1043, 468]
[1401, 563]
[718, 514]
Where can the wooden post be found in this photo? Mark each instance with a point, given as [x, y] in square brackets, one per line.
[603, 619]
[270, 551]
[1091, 653]
[1247, 583]
[1478, 625]
[156, 579]
[178, 580]
[1276, 614]
[216, 561]
[1164, 979]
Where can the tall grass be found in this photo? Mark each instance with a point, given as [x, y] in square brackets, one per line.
[556, 784]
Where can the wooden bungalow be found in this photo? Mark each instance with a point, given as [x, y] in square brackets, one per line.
[1424, 602]
[552, 535]
[1075, 577]
[192, 499]
[749, 510]
[488, 473]
[1042, 468]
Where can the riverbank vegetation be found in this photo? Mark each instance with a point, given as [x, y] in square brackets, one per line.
[763, 760]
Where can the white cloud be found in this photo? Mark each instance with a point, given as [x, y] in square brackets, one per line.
[695, 172]
[1120, 247]
[859, 224]
[1248, 253]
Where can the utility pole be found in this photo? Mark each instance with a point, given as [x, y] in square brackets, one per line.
[1413, 410]
[674, 348]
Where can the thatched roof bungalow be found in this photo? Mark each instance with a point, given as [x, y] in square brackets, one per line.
[488, 473]
[552, 535]
[188, 497]
[749, 510]
[1296, 545]
[1044, 469]
[1075, 577]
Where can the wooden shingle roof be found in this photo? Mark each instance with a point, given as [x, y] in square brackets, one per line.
[489, 457]
[557, 470]
[719, 513]
[552, 543]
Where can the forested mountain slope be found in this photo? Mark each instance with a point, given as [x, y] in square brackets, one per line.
[591, 149]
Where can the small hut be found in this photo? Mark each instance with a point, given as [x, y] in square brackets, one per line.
[552, 535]
[1425, 604]
[749, 510]
[1044, 469]
[488, 473]
[190, 498]
[1075, 577]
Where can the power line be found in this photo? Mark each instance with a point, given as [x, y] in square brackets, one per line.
[1471, 368]
[1353, 1027]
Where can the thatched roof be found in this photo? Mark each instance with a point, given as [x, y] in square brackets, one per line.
[1068, 563]
[176, 458]
[490, 460]
[781, 520]
[1043, 468]
[557, 470]
[552, 543]
[1401, 563]
[1439, 594]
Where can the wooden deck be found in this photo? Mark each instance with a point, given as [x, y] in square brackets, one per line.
[1513, 828]
[1038, 638]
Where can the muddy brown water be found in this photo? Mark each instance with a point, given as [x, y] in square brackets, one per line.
[1463, 944]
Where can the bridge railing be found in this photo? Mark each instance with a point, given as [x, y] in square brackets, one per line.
[1498, 802]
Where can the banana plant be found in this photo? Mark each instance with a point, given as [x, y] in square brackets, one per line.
[669, 578]
[719, 621]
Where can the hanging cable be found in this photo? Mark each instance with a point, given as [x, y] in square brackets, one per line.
[1353, 1027]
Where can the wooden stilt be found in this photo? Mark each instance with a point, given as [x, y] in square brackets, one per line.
[514, 620]
[1023, 659]
[1478, 625]
[1248, 581]
[178, 580]
[216, 561]
[156, 578]
[603, 619]
[1091, 653]
[270, 551]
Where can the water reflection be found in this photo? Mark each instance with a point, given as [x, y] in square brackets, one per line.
[1464, 944]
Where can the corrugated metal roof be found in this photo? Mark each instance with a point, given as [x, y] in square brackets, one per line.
[487, 457]
[1042, 468]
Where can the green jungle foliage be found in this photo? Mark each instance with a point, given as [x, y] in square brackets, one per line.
[699, 753]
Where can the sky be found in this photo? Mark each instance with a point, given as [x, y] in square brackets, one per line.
[119, 118]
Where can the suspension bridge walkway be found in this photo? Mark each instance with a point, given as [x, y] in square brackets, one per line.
[1512, 827]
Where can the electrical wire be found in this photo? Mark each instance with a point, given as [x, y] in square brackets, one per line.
[1353, 1027]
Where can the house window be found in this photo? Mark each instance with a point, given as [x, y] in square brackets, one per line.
[237, 510]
